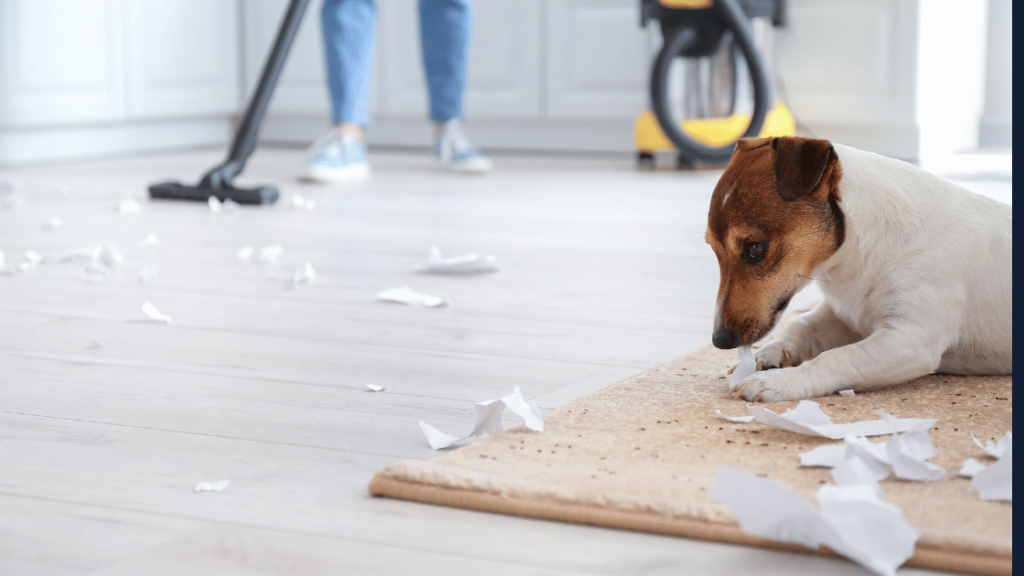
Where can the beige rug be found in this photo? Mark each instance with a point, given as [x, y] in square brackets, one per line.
[641, 455]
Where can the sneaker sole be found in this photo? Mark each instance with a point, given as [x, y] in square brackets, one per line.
[333, 175]
[471, 166]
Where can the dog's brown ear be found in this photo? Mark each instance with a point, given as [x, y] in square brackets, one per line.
[799, 165]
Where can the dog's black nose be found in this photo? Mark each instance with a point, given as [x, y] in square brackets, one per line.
[724, 338]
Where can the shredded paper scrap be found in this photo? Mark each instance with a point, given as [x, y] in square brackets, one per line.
[488, 419]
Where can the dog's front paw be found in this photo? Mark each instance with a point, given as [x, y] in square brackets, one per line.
[777, 354]
[774, 386]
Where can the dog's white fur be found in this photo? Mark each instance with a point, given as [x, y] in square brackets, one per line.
[922, 283]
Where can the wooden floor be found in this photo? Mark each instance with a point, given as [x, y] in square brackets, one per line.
[605, 274]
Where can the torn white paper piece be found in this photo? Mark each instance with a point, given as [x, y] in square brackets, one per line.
[855, 471]
[216, 206]
[746, 367]
[807, 418]
[305, 274]
[94, 272]
[270, 253]
[404, 295]
[149, 241]
[110, 256]
[53, 224]
[1, 259]
[995, 482]
[995, 449]
[33, 258]
[971, 467]
[436, 438]
[300, 201]
[849, 392]
[488, 419]
[738, 419]
[853, 519]
[212, 486]
[472, 263]
[246, 252]
[95, 345]
[128, 205]
[147, 276]
[908, 453]
[375, 388]
[151, 311]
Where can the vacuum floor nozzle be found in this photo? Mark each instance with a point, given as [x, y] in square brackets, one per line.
[179, 191]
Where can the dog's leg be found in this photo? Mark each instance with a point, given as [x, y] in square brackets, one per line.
[890, 355]
[804, 338]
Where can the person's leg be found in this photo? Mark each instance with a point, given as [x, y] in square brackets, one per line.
[444, 34]
[349, 29]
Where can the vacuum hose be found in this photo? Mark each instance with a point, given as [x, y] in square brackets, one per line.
[679, 41]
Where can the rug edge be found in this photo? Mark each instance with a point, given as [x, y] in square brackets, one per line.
[924, 557]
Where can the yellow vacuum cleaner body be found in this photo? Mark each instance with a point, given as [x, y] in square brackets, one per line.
[712, 43]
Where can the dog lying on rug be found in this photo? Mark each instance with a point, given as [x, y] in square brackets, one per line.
[916, 272]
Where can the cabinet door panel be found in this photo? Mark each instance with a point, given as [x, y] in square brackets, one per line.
[597, 59]
[182, 57]
[60, 62]
[503, 76]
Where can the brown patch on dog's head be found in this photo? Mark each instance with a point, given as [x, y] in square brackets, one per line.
[774, 217]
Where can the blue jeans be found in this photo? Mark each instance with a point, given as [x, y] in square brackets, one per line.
[349, 28]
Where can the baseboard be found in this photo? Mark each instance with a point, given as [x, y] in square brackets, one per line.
[996, 132]
[75, 143]
[541, 135]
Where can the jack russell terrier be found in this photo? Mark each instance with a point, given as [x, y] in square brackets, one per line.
[916, 272]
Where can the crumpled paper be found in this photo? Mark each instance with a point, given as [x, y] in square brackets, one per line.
[375, 388]
[472, 263]
[128, 204]
[217, 207]
[268, 253]
[300, 201]
[488, 419]
[404, 295]
[853, 520]
[212, 486]
[149, 241]
[993, 482]
[154, 314]
[904, 455]
[305, 274]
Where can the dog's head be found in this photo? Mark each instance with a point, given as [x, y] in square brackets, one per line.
[774, 217]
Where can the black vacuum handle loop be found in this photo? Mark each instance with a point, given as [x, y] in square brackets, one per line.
[684, 37]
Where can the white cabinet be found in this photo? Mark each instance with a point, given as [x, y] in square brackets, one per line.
[597, 59]
[181, 58]
[82, 78]
[503, 79]
[60, 62]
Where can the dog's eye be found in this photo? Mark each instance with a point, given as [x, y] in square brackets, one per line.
[753, 252]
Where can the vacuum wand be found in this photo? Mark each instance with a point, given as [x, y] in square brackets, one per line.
[219, 180]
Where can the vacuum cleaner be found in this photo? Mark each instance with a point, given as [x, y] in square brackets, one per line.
[708, 44]
[218, 181]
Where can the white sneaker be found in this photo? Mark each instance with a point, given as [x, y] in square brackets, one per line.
[455, 152]
[336, 157]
